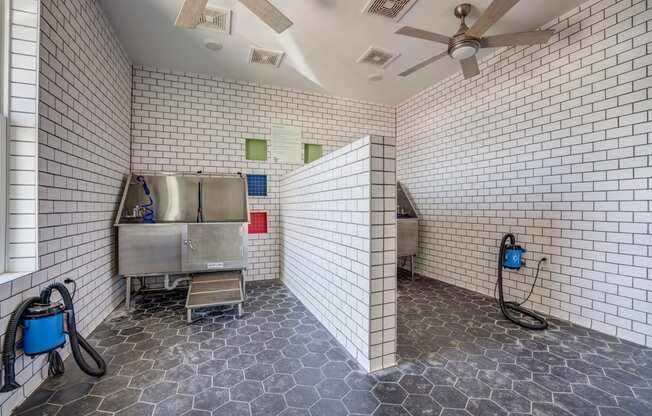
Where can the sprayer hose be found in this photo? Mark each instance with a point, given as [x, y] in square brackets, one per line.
[77, 342]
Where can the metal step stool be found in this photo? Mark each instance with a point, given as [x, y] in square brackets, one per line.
[215, 289]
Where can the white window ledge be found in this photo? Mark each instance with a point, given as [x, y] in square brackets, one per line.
[8, 277]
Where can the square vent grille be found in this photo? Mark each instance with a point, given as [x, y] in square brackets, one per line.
[215, 18]
[265, 56]
[392, 9]
[378, 57]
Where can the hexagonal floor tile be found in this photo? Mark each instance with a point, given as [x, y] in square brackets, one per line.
[391, 393]
[332, 388]
[268, 405]
[358, 401]
[246, 391]
[419, 405]
[328, 407]
[301, 396]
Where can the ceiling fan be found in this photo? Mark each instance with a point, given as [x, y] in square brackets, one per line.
[192, 10]
[464, 44]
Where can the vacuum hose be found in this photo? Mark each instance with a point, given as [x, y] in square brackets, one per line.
[507, 308]
[9, 348]
[77, 342]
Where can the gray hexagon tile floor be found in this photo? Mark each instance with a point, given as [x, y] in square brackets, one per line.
[458, 357]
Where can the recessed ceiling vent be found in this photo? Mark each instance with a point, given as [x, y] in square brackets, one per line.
[265, 56]
[378, 57]
[392, 9]
[216, 19]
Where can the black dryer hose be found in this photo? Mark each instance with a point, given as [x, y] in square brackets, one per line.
[9, 347]
[77, 342]
[508, 307]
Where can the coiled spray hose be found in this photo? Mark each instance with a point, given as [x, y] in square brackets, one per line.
[148, 216]
[77, 342]
[508, 308]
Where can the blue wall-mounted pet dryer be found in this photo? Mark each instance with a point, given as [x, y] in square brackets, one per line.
[511, 257]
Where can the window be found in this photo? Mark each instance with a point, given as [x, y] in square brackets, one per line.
[256, 149]
[257, 223]
[257, 185]
[18, 146]
[4, 72]
[311, 152]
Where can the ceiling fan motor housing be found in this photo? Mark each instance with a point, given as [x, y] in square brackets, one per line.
[463, 47]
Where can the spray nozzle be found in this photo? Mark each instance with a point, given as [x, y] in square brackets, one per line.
[141, 180]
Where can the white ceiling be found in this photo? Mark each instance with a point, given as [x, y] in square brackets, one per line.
[321, 48]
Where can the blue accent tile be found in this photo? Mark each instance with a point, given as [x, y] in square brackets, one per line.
[257, 185]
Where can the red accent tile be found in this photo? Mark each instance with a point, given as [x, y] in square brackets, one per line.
[258, 223]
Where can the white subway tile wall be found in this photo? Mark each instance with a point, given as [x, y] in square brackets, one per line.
[83, 157]
[338, 230]
[552, 143]
[186, 123]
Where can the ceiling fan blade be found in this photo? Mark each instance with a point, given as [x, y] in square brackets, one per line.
[521, 38]
[422, 34]
[423, 64]
[269, 14]
[495, 11]
[190, 12]
[470, 67]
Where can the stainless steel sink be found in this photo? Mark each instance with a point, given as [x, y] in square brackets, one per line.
[407, 225]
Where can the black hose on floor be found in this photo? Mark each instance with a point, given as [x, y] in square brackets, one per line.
[55, 364]
[508, 308]
[77, 342]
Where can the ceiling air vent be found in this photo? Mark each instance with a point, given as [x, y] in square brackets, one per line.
[392, 9]
[377, 57]
[216, 19]
[265, 56]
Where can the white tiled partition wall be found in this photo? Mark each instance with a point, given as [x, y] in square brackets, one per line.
[338, 245]
[383, 253]
[83, 157]
[188, 122]
[552, 143]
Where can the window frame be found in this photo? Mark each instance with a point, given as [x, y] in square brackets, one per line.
[4, 107]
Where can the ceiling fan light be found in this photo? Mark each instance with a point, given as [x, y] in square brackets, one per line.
[463, 50]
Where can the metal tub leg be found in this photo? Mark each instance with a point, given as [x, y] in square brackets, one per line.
[412, 267]
[128, 294]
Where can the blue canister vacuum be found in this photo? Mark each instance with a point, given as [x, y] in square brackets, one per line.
[511, 257]
[45, 325]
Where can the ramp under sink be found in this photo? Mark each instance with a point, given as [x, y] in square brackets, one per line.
[216, 289]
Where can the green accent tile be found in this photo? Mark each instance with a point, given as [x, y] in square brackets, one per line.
[256, 149]
[311, 152]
